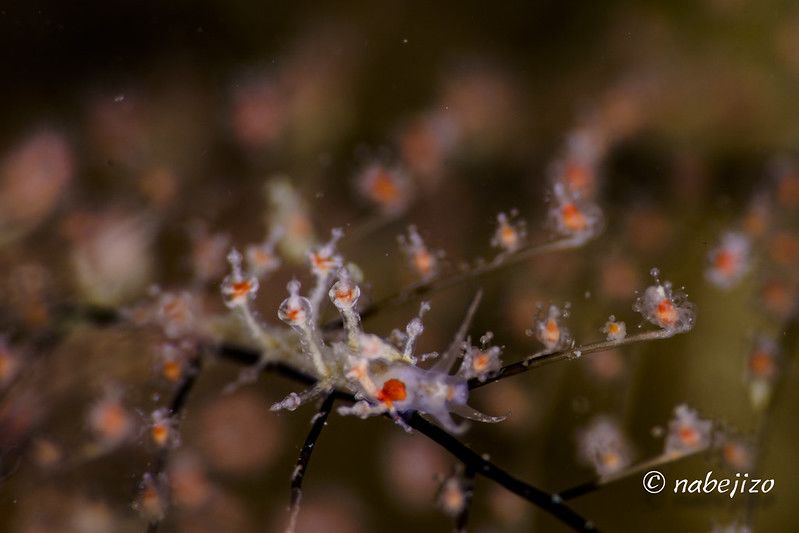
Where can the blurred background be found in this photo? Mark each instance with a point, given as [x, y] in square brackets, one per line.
[140, 141]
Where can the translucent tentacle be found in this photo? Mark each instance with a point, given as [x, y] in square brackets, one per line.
[444, 364]
[473, 414]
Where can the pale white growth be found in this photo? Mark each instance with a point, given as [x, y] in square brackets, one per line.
[549, 330]
[238, 288]
[481, 362]
[666, 309]
[603, 445]
[729, 261]
[289, 403]
[362, 409]
[424, 262]
[614, 330]
[412, 331]
[262, 258]
[510, 234]
[573, 216]
[687, 432]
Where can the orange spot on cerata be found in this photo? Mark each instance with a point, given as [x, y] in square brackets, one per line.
[322, 262]
[241, 288]
[344, 295]
[480, 362]
[393, 391]
[666, 312]
[573, 218]
[293, 314]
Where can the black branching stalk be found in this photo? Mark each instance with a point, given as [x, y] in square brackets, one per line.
[550, 503]
[318, 422]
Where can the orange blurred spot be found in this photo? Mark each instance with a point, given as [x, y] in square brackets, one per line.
[578, 177]
[172, 370]
[610, 459]
[159, 433]
[384, 189]
[724, 261]
[688, 435]
[761, 364]
[113, 420]
[573, 218]
[480, 362]
[423, 261]
[509, 236]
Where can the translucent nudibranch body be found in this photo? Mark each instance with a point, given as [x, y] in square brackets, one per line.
[383, 376]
